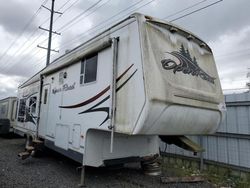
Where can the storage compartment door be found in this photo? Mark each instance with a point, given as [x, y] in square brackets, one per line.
[76, 136]
[62, 136]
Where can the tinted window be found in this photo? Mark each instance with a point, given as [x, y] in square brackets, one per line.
[3, 110]
[45, 96]
[88, 69]
[81, 79]
[82, 66]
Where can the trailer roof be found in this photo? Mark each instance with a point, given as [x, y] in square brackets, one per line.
[12, 97]
[148, 18]
[67, 58]
[32, 79]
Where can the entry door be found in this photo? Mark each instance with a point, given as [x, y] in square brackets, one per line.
[44, 111]
[31, 112]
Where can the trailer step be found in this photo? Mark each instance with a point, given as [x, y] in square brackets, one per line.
[29, 148]
[36, 141]
[183, 142]
[24, 155]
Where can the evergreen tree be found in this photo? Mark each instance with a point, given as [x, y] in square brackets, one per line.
[182, 50]
[188, 55]
[194, 61]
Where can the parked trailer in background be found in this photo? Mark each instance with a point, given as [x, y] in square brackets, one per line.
[7, 114]
[108, 100]
[28, 106]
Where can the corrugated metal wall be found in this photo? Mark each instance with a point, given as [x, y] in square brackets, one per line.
[231, 144]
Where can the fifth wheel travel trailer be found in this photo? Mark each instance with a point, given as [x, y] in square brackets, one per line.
[7, 114]
[110, 99]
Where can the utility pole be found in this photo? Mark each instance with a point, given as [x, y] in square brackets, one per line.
[50, 30]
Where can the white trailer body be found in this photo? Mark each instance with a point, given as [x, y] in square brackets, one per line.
[7, 114]
[141, 78]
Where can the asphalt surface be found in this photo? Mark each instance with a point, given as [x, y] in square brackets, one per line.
[56, 171]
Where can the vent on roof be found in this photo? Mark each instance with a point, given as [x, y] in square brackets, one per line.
[67, 51]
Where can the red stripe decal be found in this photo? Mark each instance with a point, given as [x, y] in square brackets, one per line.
[117, 79]
[98, 95]
[89, 100]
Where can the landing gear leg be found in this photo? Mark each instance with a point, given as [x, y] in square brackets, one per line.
[82, 181]
[151, 165]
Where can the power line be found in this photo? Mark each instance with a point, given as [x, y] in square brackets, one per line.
[64, 10]
[73, 4]
[60, 15]
[67, 10]
[23, 30]
[37, 30]
[64, 4]
[185, 15]
[169, 16]
[9, 64]
[70, 23]
[230, 89]
[234, 52]
[65, 28]
[118, 12]
[141, 7]
[45, 40]
[232, 55]
[182, 10]
[21, 50]
[106, 21]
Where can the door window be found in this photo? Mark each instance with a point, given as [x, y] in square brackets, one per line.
[45, 96]
[32, 104]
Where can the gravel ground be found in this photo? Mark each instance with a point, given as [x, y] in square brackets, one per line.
[54, 170]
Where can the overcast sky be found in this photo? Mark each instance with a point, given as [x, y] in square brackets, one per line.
[224, 26]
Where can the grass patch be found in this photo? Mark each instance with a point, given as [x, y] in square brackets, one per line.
[217, 176]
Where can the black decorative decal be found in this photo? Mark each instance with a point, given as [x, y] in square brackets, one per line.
[104, 109]
[26, 116]
[186, 64]
[29, 116]
[100, 94]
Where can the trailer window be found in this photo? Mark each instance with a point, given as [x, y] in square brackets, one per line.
[16, 109]
[3, 111]
[13, 112]
[21, 110]
[88, 69]
[61, 77]
[45, 96]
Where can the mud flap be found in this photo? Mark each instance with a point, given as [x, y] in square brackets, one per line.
[183, 142]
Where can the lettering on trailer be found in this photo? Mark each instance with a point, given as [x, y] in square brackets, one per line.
[65, 87]
[185, 64]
